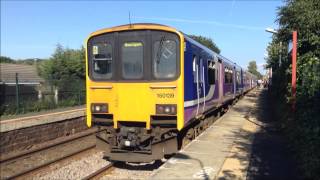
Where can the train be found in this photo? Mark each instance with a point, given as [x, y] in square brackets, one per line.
[148, 84]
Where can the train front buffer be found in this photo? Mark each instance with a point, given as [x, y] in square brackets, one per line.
[139, 119]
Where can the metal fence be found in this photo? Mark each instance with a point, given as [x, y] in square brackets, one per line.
[28, 98]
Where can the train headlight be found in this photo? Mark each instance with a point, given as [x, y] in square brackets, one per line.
[99, 108]
[170, 109]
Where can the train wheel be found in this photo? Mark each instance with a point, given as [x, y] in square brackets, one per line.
[201, 127]
[218, 115]
[205, 123]
[222, 111]
[190, 135]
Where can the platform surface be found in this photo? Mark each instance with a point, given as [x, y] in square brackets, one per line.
[39, 118]
[204, 157]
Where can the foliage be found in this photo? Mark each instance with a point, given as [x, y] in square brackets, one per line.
[303, 131]
[4, 59]
[29, 61]
[65, 69]
[252, 68]
[208, 42]
[27, 105]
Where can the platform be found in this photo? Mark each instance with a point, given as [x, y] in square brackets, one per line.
[205, 156]
[39, 118]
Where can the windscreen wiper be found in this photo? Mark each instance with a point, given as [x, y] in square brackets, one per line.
[159, 52]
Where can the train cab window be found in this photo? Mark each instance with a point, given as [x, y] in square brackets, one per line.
[102, 60]
[132, 60]
[164, 59]
[211, 72]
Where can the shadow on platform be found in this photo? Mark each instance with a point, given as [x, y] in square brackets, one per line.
[270, 158]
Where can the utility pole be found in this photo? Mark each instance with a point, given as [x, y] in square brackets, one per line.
[294, 64]
[294, 69]
[17, 93]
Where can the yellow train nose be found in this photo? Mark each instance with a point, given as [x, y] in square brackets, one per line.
[134, 103]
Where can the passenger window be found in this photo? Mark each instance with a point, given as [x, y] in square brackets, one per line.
[132, 60]
[102, 60]
[201, 78]
[238, 77]
[211, 72]
[228, 75]
[195, 69]
[231, 75]
[165, 59]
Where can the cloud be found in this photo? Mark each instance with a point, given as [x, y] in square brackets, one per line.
[215, 23]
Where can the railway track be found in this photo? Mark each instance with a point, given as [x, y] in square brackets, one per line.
[100, 172]
[28, 162]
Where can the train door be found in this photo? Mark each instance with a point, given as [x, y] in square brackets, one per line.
[221, 80]
[202, 86]
[234, 81]
[198, 71]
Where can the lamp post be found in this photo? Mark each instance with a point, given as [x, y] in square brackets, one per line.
[273, 31]
[294, 63]
[270, 30]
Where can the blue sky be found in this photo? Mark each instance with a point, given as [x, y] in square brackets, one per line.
[31, 29]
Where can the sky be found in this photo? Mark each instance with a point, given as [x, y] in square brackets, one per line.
[31, 29]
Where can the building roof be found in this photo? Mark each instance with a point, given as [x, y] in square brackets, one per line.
[27, 74]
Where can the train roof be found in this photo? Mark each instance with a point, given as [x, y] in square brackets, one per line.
[209, 50]
[135, 26]
[144, 24]
[224, 59]
[206, 49]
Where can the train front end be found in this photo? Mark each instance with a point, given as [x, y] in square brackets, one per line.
[135, 90]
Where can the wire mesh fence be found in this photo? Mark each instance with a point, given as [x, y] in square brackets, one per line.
[33, 102]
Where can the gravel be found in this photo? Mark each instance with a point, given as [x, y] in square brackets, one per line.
[76, 169]
[79, 168]
[132, 171]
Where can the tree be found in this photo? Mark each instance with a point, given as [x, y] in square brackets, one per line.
[304, 17]
[65, 69]
[4, 59]
[252, 68]
[208, 42]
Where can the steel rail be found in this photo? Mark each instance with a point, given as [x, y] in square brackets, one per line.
[48, 163]
[98, 172]
[49, 145]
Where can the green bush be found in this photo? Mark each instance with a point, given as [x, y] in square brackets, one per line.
[302, 127]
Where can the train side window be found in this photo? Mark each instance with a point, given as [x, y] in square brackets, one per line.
[201, 75]
[194, 69]
[102, 60]
[238, 77]
[165, 59]
[132, 60]
[228, 73]
[211, 72]
[231, 75]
